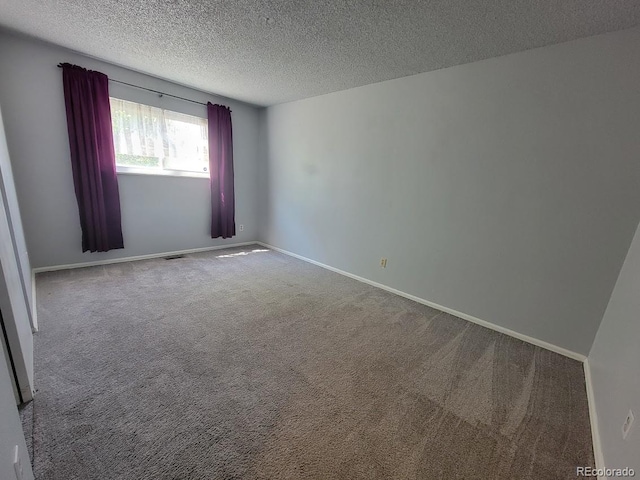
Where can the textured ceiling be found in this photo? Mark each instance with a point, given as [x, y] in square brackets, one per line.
[266, 52]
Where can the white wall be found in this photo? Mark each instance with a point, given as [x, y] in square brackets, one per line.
[11, 433]
[14, 311]
[615, 361]
[10, 199]
[14, 301]
[506, 189]
[159, 214]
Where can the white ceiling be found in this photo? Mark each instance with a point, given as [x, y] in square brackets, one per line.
[267, 52]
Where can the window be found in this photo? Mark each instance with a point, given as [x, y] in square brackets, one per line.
[157, 141]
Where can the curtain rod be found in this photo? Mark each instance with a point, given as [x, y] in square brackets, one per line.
[151, 90]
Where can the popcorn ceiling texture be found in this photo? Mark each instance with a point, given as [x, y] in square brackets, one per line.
[267, 52]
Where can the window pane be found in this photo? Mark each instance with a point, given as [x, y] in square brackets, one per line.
[150, 137]
[188, 145]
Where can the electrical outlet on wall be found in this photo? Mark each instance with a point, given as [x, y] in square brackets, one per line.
[628, 423]
[241, 228]
[383, 262]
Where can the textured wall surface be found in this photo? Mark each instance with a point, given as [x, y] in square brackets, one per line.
[614, 361]
[506, 189]
[159, 214]
[267, 52]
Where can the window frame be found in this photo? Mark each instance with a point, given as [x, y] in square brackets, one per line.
[126, 170]
[158, 172]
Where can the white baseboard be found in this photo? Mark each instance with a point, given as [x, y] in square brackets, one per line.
[593, 418]
[470, 318]
[54, 268]
[27, 394]
[34, 304]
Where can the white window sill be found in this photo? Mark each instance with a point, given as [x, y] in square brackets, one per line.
[120, 170]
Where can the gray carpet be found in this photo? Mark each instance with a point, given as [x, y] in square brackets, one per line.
[240, 365]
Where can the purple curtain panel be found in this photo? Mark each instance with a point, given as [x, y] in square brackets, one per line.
[223, 222]
[86, 95]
